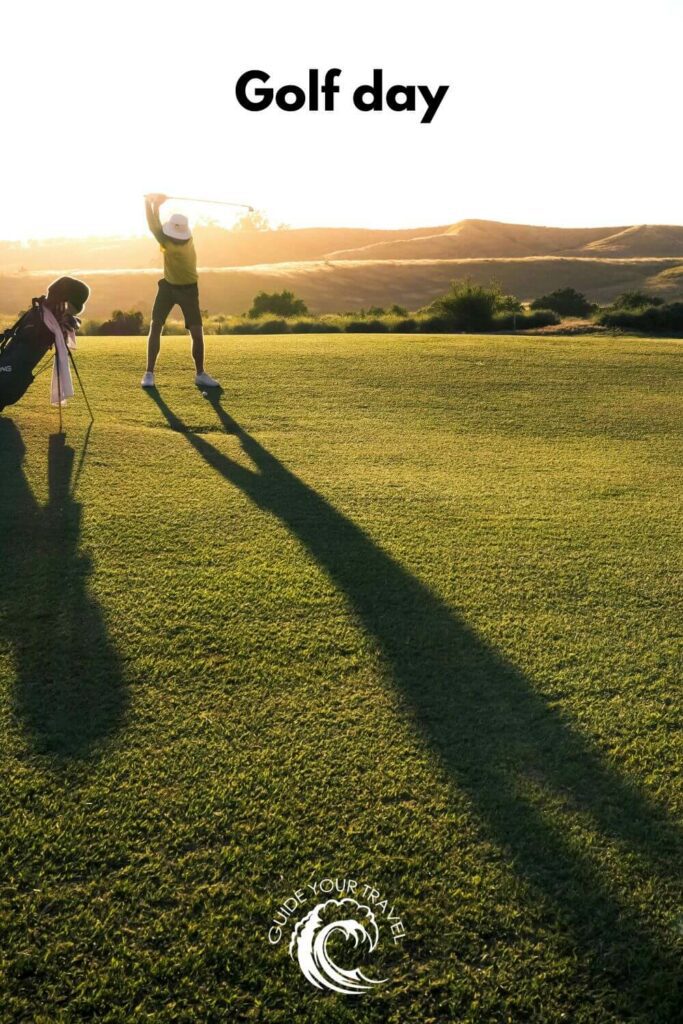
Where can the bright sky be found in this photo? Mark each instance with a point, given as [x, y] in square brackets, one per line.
[562, 113]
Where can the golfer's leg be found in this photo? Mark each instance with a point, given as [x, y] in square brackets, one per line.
[163, 305]
[197, 335]
[153, 344]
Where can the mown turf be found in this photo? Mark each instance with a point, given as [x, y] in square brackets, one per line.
[402, 610]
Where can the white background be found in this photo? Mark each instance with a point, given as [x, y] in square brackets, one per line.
[558, 113]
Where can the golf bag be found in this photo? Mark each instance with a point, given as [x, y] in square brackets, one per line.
[21, 349]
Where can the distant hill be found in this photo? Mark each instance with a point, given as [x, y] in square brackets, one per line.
[337, 269]
[216, 247]
[468, 239]
[641, 240]
[475, 239]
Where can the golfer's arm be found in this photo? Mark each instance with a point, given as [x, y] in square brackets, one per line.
[154, 221]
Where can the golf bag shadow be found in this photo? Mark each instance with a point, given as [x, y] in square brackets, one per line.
[69, 693]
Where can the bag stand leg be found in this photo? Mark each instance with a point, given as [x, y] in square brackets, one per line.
[78, 377]
[59, 391]
[59, 388]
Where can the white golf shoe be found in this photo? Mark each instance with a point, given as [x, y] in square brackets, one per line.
[148, 380]
[203, 380]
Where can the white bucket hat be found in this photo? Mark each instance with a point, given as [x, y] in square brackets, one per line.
[177, 227]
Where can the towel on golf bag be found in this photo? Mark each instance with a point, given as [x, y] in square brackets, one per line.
[62, 386]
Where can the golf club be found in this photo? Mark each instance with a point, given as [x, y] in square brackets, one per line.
[214, 202]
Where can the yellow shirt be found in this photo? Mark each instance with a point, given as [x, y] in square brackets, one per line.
[180, 258]
[180, 261]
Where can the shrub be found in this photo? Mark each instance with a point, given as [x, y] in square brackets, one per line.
[366, 327]
[273, 327]
[88, 327]
[407, 326]
[253, 220]
[508, 304]
[434, 325]
[539, 318]
[566, 302]
[325, 327]
[124, 323]
[664, 319]
[467, 306]
[525, 321]
[278, 304]
[636, 300]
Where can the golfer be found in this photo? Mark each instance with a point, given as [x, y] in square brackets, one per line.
[178, 287]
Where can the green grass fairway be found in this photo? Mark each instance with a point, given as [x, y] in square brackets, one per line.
[396, 609]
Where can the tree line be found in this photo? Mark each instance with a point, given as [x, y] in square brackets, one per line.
[465, 307]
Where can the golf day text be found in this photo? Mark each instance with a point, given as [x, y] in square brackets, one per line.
[253, 94]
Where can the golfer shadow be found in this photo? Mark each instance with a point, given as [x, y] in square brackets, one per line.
[501, 744]
[69, 692]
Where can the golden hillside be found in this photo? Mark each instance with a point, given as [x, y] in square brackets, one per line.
[338, 269]
[468, 239]
[475, 239]
[217, 248]
[349, 285]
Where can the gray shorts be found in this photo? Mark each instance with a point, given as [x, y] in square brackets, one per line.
[184, 295]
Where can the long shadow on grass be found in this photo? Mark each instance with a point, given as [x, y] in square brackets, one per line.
[496, 736]
[69, 692]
